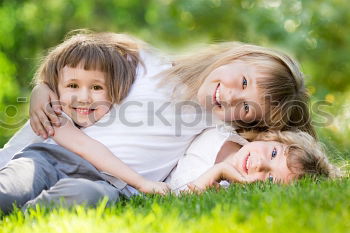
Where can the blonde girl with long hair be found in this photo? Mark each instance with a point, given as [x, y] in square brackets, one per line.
[249, 86]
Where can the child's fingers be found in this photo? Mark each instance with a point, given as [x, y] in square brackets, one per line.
[191, 187]
[37, 126]
[194, 188]
[45, 123]
[51, 114]
[56, 105]
[216, 185]
[233, 175]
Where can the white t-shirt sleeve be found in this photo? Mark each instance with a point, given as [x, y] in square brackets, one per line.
[190, 167]
[23, 137]
[201, 155]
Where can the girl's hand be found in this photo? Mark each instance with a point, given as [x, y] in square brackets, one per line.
[208, 179]
[220, 171]
[154, 187]
[44, 108]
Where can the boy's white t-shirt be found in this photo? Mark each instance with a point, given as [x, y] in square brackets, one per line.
[201, 155]
[147, 131]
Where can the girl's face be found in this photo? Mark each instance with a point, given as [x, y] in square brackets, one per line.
[231, 92]
[83, 94]
[261, 160]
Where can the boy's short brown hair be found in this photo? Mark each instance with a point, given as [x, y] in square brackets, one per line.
[115, 54]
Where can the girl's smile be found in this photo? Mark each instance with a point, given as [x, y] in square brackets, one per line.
[234, 93]
[245, 164]
[262, 160]
[216, 96]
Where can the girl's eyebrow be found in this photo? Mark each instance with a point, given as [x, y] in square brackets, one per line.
[283, 149]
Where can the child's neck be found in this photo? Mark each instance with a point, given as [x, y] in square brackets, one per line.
[227, 149]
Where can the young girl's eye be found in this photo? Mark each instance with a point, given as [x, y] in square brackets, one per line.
[96, 87]
[246, 107]
[244, 83]
[274, 153]
[72, 85]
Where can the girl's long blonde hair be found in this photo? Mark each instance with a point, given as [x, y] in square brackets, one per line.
[282, 85]
[305, 156]
[115, 54]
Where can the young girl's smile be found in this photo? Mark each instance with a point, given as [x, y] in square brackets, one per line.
[83, 94]
[262, 160]
[232, 93]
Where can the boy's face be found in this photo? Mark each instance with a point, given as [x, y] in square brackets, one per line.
[261, 160]
[231, 92]
[83, 95]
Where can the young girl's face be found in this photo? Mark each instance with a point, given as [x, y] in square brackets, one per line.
[83, 94]
[231, 92]
[261, 160]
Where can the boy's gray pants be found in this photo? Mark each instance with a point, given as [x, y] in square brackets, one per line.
[49, 174]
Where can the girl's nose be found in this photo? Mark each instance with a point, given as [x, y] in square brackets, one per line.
[259, 164]
[230, 96]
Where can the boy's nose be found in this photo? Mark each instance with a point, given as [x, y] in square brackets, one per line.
[83, 95]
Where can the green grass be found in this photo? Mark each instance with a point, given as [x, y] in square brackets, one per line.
[306, 206]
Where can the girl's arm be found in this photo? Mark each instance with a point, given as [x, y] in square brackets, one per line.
[73, 139]
[220, 171]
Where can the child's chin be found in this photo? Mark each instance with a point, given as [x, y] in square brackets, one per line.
[83, 123]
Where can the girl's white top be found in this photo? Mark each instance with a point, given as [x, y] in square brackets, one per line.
[201, 155]
[147, 131]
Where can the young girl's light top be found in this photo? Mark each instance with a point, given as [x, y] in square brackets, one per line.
[201, 155]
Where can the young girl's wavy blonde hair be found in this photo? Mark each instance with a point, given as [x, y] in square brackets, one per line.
[305, 156]
[115, 54]
[282, 85]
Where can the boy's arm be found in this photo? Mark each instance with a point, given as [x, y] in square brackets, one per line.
[22, 138]
[73, 139]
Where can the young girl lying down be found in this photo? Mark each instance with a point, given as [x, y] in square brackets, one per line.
[276, 156]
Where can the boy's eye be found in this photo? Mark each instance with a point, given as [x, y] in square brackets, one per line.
[244, 82]
[72, 85]
[246, 107]
[274, 153]
[96, 87]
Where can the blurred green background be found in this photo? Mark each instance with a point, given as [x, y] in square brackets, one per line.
[315, 32]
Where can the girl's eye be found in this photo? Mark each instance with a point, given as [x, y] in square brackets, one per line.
[97, 88]
[72, 85]
[274, 153]
[270, 178]
[246, 107]
[244, 83]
